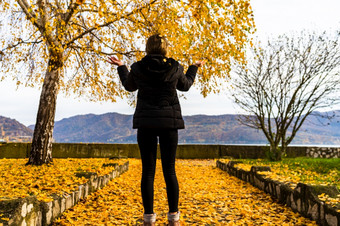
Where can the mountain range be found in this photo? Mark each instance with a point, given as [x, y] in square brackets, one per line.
[12, 130]
[202, 129]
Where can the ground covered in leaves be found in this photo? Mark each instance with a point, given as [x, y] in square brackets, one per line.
[208, 196]
[295, 170]
[18, 180]
[291, 171]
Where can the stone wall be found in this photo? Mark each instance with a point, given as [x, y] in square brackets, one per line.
[184, 151]
[30, 211]
[257, 151]
[303, 199]
[323, 152]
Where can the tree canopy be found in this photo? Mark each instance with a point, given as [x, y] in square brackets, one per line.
[84, 32]
[64, 44]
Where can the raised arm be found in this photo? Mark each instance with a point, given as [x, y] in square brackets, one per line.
[127, 79]
[186, 80]
[125, 76]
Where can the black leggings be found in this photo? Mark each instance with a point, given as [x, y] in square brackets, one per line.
[147, 142]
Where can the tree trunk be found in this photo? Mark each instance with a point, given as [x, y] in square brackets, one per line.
[284, 146]
[41, 150]
[275, 152]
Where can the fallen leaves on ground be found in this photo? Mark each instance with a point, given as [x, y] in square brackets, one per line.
[334, 202]
[292, 174]
[208, 196]
[18, 180]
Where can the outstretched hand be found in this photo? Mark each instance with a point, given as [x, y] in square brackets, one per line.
[115, 61]
[199, 63]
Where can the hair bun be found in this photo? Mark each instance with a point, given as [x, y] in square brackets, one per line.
[156, 44]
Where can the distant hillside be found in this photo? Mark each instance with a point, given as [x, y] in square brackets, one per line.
[218, 129]
[320, 130]
[12, 130]
[223, 129]
[106, 128]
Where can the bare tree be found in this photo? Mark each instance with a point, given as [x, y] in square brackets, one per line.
[286, 80]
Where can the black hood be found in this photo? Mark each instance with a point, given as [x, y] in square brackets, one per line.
[157, 67]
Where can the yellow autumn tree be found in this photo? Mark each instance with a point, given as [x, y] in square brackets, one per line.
[63, 44]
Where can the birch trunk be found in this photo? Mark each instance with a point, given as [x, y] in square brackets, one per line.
[41, 150]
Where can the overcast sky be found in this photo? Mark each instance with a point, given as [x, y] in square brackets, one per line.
[271, 17]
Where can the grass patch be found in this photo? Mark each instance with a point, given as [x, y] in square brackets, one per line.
[318, 165]
[315, 171]
[291, 171]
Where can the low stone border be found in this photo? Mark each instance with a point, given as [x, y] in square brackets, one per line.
[323, 152]
[30, 211]
[303, 199]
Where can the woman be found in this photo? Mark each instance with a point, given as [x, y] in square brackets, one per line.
[157, 114]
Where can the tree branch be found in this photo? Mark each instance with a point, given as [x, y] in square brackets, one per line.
[23, 42]
[87, 32]
[89, 49]
[104, 25]
[71, 9]
[27, 10]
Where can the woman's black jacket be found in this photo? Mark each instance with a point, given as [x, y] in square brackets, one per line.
[157, 78]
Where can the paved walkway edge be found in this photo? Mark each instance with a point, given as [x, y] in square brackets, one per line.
[30, 211]
[303, 198]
